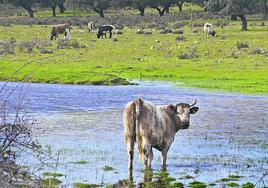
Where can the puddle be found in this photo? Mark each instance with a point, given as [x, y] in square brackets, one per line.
[228, 136]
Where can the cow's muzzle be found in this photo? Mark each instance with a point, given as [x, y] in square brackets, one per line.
[185, 125]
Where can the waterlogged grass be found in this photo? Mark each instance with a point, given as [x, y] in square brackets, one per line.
[217, 62]
[197, 184]
[53, 174]
[80, 162]
[248, 185]
[108, 168]
[232, 184]
[231, 178]
[85, 185]
[50, 182]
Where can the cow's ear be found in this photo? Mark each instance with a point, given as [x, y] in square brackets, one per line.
[194, 110]
[171, 108]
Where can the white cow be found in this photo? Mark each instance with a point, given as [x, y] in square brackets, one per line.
[209, 30]
[91, 26]
[153, 126]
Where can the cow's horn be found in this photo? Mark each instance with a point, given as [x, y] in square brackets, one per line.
[193, 103]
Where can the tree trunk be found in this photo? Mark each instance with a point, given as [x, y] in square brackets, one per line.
[180, 7]
[142, 10]
[167, 9]
[30, 12]
[233, 17]
[53, 7]
[62, 8]
[161, 12]
[180, 4]
[244, 22]
[99, 11]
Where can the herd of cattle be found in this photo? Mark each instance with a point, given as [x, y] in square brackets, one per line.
[66, 30]
[103, 29]
[148, 125]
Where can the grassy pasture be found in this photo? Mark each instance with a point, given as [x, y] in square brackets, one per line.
[210, 63]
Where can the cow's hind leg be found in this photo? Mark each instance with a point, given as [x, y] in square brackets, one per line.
[130, 149]
[148, 155]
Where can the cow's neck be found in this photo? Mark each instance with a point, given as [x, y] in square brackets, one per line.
[177, 123]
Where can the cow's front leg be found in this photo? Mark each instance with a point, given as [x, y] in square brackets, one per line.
[164, 160]
[110, 36]
[150, 158]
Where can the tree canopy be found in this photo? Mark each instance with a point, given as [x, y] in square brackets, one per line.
[239, 8]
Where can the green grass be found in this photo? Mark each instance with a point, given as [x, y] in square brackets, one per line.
[232, 184]
[197, 184]
[53, 174]
[85, 185]
[81, 162]
[108, 168]
[219, 65]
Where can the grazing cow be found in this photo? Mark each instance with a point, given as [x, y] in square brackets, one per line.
[91, 26]
[209, 29]
[152, 126]
[105, 28]
[61, 29]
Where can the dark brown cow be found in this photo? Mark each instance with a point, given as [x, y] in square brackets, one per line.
[153, 126]
[60, 29]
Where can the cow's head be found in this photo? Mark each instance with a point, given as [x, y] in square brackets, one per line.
[51, 36]
[183, 111]
[98, 35]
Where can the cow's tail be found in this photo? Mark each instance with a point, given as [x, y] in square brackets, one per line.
[129, 119]
[138, 105]
[131, 126]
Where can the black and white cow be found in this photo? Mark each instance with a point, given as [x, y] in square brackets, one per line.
[104, 29]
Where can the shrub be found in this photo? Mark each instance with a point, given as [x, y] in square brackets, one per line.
[194, 31]
[140, 31]
[148, 33]
[62, 44]
[180, 38]
[178, 32]
[76, 44]
[115, 39]
[27, 46]
[180, 24]
[40, 44]
[165, 31]
[242, 44]
[258, 50]
[119, 32]
[192, 54]
[7, 47]
[46, 51]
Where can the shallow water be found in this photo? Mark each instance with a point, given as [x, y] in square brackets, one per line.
[227, 136]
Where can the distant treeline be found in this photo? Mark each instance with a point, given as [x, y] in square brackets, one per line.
[234, 8]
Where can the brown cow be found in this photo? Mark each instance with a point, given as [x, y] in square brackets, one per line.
[60, 29]
[153, 126]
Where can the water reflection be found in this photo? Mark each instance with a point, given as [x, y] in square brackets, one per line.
[150, 179]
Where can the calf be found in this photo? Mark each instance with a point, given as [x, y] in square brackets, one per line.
[152, 126]
[105, 28]
[209, 30]
[60, 29]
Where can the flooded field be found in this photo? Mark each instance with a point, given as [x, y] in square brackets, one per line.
[83, 127]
